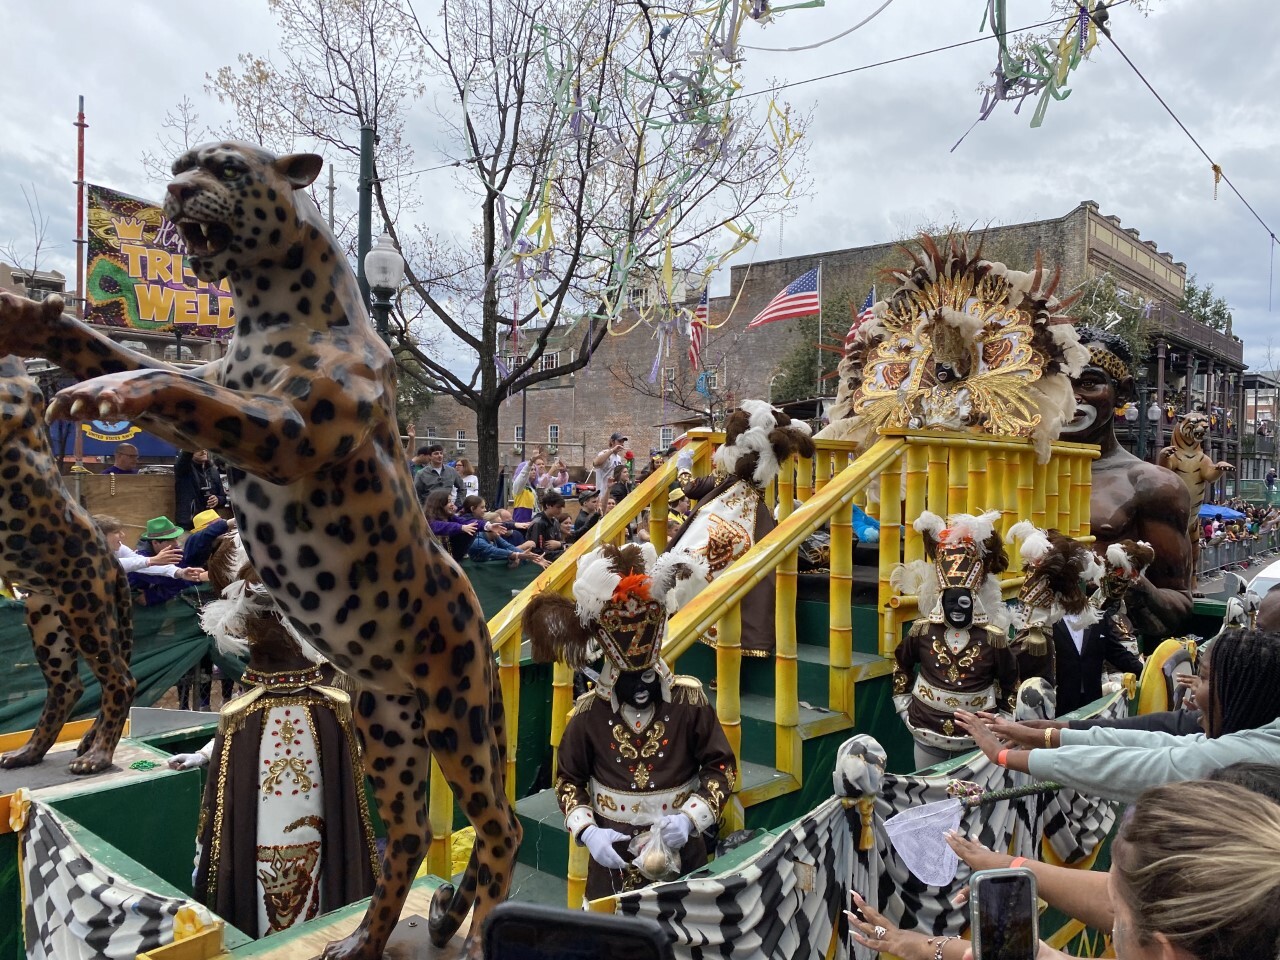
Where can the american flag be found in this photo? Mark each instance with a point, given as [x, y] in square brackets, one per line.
[801, 298]
[861, 317]
[698, 331]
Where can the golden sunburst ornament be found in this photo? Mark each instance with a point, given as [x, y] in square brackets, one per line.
[961, 344]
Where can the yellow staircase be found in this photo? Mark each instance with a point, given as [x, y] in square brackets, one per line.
[900, 476]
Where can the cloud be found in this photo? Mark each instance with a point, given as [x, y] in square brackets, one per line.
[880, 144]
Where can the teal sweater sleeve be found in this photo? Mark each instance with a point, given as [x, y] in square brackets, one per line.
[1120, 764]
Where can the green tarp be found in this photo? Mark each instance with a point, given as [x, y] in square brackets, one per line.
[168, 642]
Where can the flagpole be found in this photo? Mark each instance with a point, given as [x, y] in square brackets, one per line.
[819, 383]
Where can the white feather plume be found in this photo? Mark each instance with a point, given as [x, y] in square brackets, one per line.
[1035, 542]
[975, 527]
[669, 589]
[930, 523]
[989, 600]
[224, 618]
[594, 585]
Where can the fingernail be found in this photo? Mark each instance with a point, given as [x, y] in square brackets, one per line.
[858, 897]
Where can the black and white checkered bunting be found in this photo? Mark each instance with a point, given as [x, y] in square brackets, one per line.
[74, 909]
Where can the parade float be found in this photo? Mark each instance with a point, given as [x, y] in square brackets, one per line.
[823, 759]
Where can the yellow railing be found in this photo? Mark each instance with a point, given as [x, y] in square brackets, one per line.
[941, 472]
[719, 606]
[959, 473]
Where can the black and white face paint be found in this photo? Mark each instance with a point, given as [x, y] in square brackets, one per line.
[957, 607]
[638, 688]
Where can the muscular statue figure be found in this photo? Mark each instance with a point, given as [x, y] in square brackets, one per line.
[1132, 499]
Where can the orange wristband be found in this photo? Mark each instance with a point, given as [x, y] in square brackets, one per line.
[1017, 862]
[1002, 756]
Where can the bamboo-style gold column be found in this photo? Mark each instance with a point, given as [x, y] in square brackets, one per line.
[997, 488]
[1039, 490]
[938, 482]
[509, 678]
[561, 705]
[840, 605]
[804, 478]
[440, 818]
[788, 756]
[979, 502]
[917, 489]
[1052, 476]
[890, 551]
[658, 521]
[1025, 478]
[729, 700]
[1066, 502]
[824, 461]
[1083, 484]
[576, 875]
[957, 478]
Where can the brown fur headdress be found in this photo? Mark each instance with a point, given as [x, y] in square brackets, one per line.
[1058, 570]
[758, 438]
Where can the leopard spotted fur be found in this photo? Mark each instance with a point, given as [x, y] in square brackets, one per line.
[77, 594]
[302, 408]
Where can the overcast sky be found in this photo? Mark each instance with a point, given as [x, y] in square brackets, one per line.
[879, 145]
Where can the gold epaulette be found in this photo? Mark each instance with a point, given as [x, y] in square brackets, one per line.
[688, 690]
[584, 703]
[999, 638]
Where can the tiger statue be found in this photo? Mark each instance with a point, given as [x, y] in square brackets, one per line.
[1186, 457]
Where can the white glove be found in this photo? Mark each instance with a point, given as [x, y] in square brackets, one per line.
[187, 761]
[684, 460]
[900, 704]
[675, 829]
[599, 841]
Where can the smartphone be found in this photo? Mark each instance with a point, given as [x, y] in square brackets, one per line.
[534, 931]
[1004, 914]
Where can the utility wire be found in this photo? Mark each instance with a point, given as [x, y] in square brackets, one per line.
[1218, 171]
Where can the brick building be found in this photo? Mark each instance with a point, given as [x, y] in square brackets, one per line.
[1190, 364]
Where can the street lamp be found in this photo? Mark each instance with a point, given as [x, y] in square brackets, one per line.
[384, 269]
[1137, 410]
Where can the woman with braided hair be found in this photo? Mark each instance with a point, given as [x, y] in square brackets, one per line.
[1236, 694]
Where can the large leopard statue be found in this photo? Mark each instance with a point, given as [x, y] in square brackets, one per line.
[77, 594]
[302, 408]
[1187, 459]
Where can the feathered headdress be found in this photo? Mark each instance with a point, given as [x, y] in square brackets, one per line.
[244, 614]
[1058, 569]
[1124, 562]
[758, 437]
[963, 551]
[622, 597]
[961, 344]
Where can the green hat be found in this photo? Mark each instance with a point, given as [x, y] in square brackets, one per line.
[162, 528]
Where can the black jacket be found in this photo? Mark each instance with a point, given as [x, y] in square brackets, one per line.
[193, 483]
[1079, 673]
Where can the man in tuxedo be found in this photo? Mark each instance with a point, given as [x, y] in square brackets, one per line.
[1080, 652]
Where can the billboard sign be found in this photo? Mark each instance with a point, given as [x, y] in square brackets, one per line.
[138, 274]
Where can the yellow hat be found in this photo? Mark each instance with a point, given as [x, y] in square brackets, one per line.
[203, 519]
[676, 495]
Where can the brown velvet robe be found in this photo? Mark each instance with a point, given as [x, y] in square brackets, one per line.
[684, 741]
[758, 635]
[227, 870]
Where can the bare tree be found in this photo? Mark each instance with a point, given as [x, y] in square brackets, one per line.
[27, 258]
[599, 145]
[180, 130]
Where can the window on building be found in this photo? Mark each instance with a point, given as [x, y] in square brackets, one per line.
[669, 374]
[431, 433]
[713, 380]
[553, 435]
[666, 437]
[638, 297]
[519, 434]
[461, 437]
[549, 361]
[514, 361]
